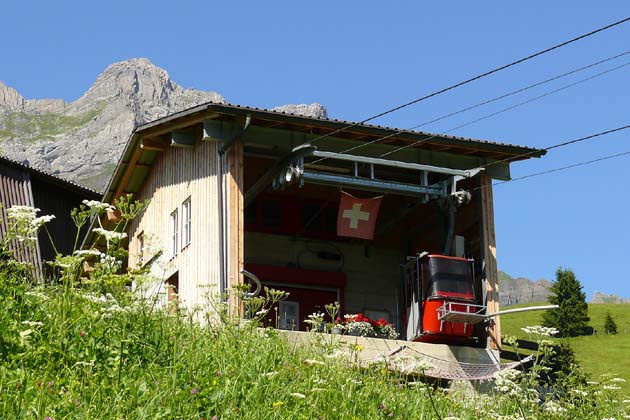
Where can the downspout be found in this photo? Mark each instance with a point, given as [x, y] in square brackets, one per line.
[221, 202]
[224, 146]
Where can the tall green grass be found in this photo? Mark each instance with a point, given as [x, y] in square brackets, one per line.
[86, 347]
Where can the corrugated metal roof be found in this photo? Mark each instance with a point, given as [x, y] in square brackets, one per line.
[226, 107]
[53, 178]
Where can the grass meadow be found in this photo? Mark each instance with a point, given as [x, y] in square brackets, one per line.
[598, 354]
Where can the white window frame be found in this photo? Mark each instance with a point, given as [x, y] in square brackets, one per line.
[186, 223]
[174, 233]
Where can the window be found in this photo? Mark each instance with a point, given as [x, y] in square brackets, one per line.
[174, 230]
[186, 223]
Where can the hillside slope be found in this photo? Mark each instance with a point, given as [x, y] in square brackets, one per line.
[598, 354]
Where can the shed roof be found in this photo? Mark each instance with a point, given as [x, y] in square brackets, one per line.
[313, 127]
[53, 179]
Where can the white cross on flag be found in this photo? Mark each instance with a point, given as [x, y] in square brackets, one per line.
[357, 216]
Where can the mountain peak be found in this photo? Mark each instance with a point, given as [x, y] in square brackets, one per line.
[10, 100]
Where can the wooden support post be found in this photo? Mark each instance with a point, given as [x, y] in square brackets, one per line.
[489, 251]
[235, 220]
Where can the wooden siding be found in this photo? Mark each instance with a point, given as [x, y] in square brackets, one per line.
[15, 190]
[177, 174]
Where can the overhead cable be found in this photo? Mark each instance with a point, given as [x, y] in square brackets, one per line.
[509, 108]
[484, 102]
[555, 146]
[472, 79]
[553, 170]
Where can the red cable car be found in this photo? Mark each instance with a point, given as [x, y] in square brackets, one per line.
[439, 298]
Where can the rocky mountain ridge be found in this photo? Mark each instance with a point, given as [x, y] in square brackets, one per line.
[82, 140]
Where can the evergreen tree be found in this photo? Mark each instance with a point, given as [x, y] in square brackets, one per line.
[571, 318]
[609, 325]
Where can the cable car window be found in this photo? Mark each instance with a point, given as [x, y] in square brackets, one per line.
[450, 277]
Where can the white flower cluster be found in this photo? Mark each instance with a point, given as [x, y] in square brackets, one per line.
[32, 323]
[505, 382]
[98, 206]
[413, 365]
[88, 252]
[110, 263]
[540, 331]
[553, 407]
[19, 213]
[26, 222]
[38, 295]
[361, 328]
[110, 234]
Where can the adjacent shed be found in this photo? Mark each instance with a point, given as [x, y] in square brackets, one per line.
[21, 185]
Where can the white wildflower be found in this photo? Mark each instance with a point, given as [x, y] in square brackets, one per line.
[25, 333]
[111, 263]
[505, 382]
[318, 389]
[611, 387]
[41, 220]
[269, 374]
[313, 362]
[98, 205]
[95, 299]
[86, 252]
[38, 295]
[540, 331]
[22, 213]
[110, 235]
[579, 392]
[32, 323]
[617, 380]
[297, 395]
[553, 407]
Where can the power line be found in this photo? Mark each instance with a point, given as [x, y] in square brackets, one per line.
[555, 146]
[510, 108]
[472, 79]
[485, 102]
[553, 170]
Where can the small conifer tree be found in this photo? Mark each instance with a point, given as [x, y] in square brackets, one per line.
[571, 318]
[609, 325]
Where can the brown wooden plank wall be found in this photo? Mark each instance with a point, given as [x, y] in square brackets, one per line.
[179, 173]
[15, 190]
[489, 250]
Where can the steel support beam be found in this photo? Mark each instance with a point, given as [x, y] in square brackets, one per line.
[369, 184]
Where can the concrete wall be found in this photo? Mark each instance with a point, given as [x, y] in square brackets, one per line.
[372, 273]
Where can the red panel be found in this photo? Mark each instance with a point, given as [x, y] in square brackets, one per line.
[279, 274]
[310, 301]
[434, 330]
[309, 297]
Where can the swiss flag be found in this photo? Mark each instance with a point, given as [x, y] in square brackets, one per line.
[357, 216]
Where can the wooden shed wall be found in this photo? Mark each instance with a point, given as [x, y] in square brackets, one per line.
[15, 190]
[58, 201]
[177, 174]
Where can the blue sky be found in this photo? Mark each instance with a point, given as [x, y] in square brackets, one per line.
[362, 57]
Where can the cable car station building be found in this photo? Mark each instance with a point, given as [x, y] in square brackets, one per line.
[234, 188]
